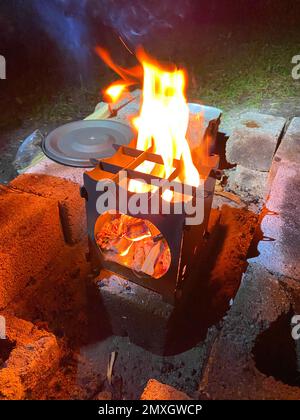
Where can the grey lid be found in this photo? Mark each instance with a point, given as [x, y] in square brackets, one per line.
[75, 144]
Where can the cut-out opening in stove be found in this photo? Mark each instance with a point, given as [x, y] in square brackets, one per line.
[133, 243]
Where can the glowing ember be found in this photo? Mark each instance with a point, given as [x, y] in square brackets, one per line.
[133, 243]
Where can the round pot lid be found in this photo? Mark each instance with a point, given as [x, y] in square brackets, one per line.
[75, 144]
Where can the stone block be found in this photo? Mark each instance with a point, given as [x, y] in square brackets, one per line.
[130, 308]
[33, 358]
[288, 152]
[11, 387]
[126, 113]
[254, 141]
[289, 148]
[49, 168]
[247, 183]
[279, 245]
[31, 239]
[67, 194]
[157, 391]
[257, 327]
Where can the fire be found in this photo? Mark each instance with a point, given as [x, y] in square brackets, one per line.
[129, 76]
[115, 91]
[133, 243]
[163, 121]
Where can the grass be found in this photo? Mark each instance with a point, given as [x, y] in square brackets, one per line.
[225, 76]
[224, 72]
[248, 73]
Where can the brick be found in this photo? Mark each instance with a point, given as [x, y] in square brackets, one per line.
[34, 358]
[288, 152]
[232, 371]
[67, 194]
[49, 168]
[249, 184]
[289, 149]
[11, 387]
[31, 239]
[157, 391]
[126, 113]
[104, 396]
[129, 307]
[254, 141]
[280, 251]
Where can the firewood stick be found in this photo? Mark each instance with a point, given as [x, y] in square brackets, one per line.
[149, 263]
[110, 367]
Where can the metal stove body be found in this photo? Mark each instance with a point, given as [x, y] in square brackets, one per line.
[185, 241]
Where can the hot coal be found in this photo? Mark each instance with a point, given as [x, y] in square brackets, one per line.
[134, 243]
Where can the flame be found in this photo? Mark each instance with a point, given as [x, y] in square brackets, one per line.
[131, 241]
[115, 91]
[163, 121]
[129, 77]
[126, 250]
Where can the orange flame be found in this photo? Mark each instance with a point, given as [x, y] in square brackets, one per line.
[129, 77]
[115, 91]
[163, 121]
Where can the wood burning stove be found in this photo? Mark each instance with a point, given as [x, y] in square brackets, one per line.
[170, 246]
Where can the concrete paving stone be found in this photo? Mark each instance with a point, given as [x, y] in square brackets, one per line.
[129, 307]
[247, 183]
[289, 148]
[50, 168]
[288, 152]
[11, 388]
[254, 140]
[231, 371]
[279, 246]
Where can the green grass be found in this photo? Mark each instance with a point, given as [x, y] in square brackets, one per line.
[226, 73]
[247, 74]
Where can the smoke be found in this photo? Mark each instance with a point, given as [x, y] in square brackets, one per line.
[137, 21]
[76, 26]
[66, 22]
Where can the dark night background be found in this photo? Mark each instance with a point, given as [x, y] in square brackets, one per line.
[238, 54]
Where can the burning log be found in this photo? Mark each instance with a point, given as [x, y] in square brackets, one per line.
[134, 243]
[151, 259]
